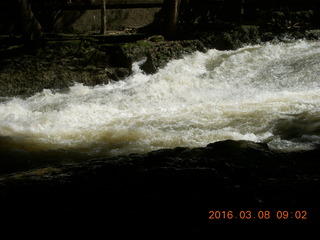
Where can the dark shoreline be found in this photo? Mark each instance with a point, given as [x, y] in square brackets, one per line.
[169, 190]
[58, 61]
[59, 57]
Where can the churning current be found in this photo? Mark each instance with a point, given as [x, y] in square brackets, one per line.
[265, 93]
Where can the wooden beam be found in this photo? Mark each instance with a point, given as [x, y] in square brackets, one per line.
[114, 4]
[31, 28]
[172, 8]
[103, 29]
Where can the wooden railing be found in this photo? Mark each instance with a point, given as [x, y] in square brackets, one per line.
[113, 4]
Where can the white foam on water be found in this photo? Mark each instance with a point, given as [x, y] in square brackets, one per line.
[202, 98]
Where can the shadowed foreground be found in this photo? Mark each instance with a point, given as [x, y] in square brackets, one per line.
[166, 190]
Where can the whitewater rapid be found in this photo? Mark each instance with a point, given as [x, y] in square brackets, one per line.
[265, 93]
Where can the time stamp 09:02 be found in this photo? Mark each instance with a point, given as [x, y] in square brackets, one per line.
[301, 215]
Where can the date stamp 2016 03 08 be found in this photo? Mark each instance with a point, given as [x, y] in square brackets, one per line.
[258, 215]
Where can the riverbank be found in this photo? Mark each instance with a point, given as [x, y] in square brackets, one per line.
[169, 190]
[59, 61]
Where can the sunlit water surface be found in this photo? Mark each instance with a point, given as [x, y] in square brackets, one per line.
[265, 93]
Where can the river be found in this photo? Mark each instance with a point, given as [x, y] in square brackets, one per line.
[266, 93]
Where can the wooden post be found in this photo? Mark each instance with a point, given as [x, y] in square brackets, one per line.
[172, 17]
[31, 28]
[103, 18]
[242, 11]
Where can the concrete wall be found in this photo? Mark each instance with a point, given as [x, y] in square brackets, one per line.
[89, 21]
[73, 21]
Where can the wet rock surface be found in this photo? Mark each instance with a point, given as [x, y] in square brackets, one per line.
[165, 190]
[57, 64]
[59, 61]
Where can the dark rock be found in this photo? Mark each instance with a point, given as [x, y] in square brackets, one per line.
[234, 38]
[313, 34]
[169, 190]
[240, 150]
[160, 54]
[148, 66]
[96, 58]
[224, 42]
[57, 64]
[268, 36]
[156, 38]
[116, 74]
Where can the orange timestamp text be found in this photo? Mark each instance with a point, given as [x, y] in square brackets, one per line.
[258, 215]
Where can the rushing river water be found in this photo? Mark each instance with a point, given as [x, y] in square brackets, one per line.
[267, 93]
